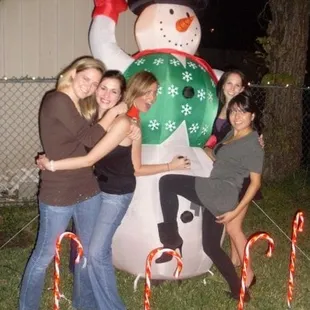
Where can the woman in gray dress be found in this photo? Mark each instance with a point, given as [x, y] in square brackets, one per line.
[230, 84]
[239, 155]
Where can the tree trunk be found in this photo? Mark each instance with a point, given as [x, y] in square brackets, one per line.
[288, 34]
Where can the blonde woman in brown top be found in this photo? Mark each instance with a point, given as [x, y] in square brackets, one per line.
[66, 194]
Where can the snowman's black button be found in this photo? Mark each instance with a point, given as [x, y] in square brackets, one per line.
[188, 92]
[187, 216]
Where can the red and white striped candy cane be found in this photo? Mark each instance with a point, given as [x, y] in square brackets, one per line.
[246, 258]
[298, 225]
[147, 286]
[57, 264]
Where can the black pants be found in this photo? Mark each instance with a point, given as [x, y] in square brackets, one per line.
[170, 186]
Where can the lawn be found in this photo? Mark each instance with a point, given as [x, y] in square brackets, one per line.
[281, 201]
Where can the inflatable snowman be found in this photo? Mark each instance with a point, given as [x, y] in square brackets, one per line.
[168, 34]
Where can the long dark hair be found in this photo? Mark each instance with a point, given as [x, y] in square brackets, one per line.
[222, 81]
[245, 103]
[117, 75]
[89, 106]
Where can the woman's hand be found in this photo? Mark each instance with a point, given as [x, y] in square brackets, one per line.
[43, 163]
[38, 161]
[180, 163]
[261, 141]
[135, 131]
[121, 108]
[209, 152]
[226, 217]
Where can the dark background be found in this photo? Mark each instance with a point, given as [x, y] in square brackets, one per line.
[229, 33]
[236, 24]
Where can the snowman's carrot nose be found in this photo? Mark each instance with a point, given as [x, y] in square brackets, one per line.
[183, 23]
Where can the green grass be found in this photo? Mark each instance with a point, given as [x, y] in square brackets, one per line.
[281, 201]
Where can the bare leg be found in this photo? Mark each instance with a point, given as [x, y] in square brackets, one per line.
[238, 241]
[234, 254]
[236, 258]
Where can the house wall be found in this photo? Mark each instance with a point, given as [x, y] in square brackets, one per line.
[37, 39]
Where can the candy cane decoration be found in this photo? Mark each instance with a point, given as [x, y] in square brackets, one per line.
[298, 225]
[147, 286]
[246, 258]
[57, 294]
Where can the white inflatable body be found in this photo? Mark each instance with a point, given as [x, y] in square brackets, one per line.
[138, 233]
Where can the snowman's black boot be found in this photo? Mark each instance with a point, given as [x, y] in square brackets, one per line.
[170, 238]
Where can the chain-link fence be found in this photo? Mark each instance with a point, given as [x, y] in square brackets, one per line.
[19, 106]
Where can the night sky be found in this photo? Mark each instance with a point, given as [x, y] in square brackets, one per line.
[236, 24]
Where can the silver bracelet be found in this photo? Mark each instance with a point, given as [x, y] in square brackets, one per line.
[52, 166]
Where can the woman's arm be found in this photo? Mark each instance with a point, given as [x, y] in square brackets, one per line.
[59, 106]
[209, 152]
[108, 118]
[117, 133]
[177, 163]
[254, 186]
[106, 121]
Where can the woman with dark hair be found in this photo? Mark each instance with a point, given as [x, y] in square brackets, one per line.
[231, 83]
[70, 194]
[239, 155]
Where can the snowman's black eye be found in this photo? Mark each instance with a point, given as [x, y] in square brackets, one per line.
[187, 14]
[171, 12]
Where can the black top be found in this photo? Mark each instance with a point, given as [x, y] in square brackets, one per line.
[224, 130]
[115, 172]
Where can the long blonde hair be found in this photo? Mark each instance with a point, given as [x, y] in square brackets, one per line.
[89, 108]
[64, 79]
[138, 85]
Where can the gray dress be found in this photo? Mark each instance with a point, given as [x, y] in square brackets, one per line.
[234, 161]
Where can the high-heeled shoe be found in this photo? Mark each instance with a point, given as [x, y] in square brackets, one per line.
[165, 257]
[253, 282]
[170, 238]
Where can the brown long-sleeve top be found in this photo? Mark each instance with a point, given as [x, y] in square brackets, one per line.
[65, 133]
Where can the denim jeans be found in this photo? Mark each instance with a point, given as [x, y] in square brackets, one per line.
[101, 270]
[53, 222]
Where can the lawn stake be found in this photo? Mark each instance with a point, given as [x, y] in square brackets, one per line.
[246, 258]
[298, 225]
[57, 294]
[147, 285]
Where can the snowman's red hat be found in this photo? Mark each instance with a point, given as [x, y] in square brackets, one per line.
[137, 6]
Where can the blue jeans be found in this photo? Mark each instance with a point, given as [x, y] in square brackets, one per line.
[53, 222]
[101, 270]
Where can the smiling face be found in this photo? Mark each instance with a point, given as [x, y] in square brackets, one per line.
[240, 120]
[168, 26]
[144, 103]
[108, 94]
[85, 83]
[232, 86]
